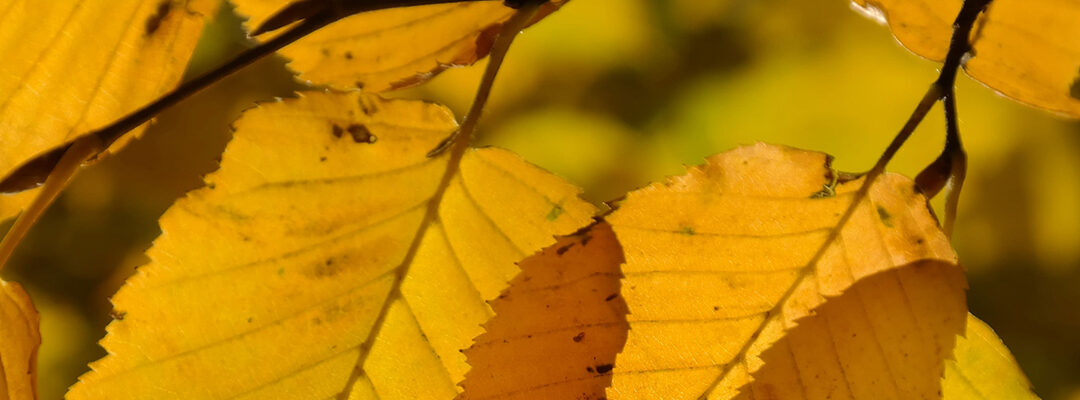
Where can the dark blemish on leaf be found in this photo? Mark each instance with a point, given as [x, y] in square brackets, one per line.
[716, 308]
[1074, 90]
[250, 319]
[281, 271]
[604, 368]
[688, 231]
[358, 132]
[322, 159]
[919, 241]
[886, 218]
[367, 106]
[118, 315]
[326, 52]
[211, 186]
[555, 212]
[348, 55]
[579, 337]
[589, 369]
[245, 238]
[327, 269]
[611, 297]
[585, 240]
[317, 321]
[562, 250]
[360, 85]
[154, 22]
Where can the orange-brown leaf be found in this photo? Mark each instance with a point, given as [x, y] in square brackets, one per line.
[558, 327]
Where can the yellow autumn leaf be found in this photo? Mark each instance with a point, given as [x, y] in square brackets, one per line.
[19, 341]
[888, 336]
[390, 49]
[735, 257]
[73, 66]
[558, 327]
[982, 368]
[1026, 50]
[325, 256]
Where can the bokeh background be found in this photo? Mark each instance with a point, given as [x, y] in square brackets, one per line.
[612, 95]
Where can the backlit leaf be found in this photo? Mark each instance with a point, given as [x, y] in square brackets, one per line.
[558, 327]
[309, 252]
[390, 49]
[72, 66]
[19, 341]
[983, 368]
[720, 263]
[887, 337]
[1026, 50]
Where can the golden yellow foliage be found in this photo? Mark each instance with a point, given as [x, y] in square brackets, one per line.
[390, 49]
[324, 256]
[73, 66]
[558, 327]
[721, 262]
[981, 367]
[19, 341]
[1026, 50]
[887, 337]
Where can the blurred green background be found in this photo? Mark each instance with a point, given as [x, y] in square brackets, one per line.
[615, 94]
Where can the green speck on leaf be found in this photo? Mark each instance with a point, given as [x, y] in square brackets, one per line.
[555, 212]
[688, 231]
[886, 218]
[281, 271]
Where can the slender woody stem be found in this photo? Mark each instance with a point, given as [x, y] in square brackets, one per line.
[55, 168]
[941, 89]
[456, 144]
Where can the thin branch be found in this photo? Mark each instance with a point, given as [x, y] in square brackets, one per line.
[941, 89]
[456, 144]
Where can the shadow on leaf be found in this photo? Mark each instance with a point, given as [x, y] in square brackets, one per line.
[887, 337]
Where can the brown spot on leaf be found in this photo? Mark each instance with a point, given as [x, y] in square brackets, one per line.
[327, 269]
[579, 337]
[361, 134]
[117, 315]
[348, 55]
[154, 22]
[358, 132]
[604, 368]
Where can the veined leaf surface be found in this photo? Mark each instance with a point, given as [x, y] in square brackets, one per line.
[72, 66]
[557, 327]
[983, 368]
[889, 336]
[390, 49]
[310, 265]
[733, 261]
[19, 341]
[1027, 50]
